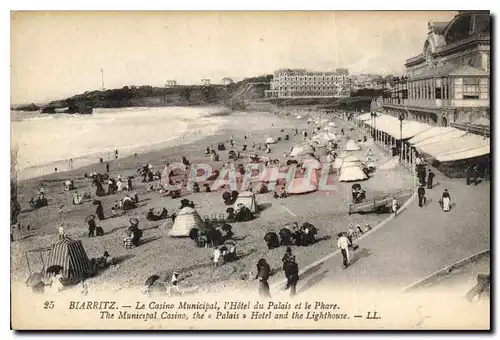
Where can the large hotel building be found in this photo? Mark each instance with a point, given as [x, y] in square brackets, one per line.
[448, 84]
[302, 83]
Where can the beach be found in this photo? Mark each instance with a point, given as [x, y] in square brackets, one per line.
[160, 254]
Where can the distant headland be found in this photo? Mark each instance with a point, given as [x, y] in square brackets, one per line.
[231, 96]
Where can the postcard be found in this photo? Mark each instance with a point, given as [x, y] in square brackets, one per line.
[218, 170]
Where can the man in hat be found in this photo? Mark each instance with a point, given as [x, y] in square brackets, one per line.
[430, 178]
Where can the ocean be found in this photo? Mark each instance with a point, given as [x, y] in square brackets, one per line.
[45, 142]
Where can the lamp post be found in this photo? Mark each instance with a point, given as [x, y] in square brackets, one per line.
[401, 118]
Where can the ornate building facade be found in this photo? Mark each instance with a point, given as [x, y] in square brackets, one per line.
[302, 83]
[448, 84]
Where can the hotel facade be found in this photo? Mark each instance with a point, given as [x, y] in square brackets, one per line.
[448, 84]
[302, 83]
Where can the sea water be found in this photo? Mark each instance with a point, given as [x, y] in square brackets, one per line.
[46, 141]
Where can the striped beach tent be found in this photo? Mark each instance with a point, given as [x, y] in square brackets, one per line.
[70, 255]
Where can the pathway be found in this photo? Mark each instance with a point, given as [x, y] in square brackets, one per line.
[415, 244]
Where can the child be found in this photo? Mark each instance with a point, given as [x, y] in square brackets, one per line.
[127, 242]
[92, 227]
[395, 206]
[113, 212]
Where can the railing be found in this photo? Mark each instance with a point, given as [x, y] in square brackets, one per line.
[373, 203]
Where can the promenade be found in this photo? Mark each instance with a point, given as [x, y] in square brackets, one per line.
[413, 245]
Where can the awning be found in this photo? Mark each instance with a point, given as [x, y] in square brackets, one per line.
[443, 138]
[391, 126]
[432, 132]
[463, 144]
[476, 152]
[364, 116]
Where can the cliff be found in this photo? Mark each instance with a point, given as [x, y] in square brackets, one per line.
[232, 95]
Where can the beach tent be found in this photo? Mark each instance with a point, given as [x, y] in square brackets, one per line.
[331, 124]
[352, 146]
[70, 255]
[247, 198]
[303, 185]
[270, 140]
[187, 219]
[351, 159]
[323, 137]
[299, 150]
[311, 163]
[299, 117]
[351, 173]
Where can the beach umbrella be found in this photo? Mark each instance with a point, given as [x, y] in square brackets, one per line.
[55, 269]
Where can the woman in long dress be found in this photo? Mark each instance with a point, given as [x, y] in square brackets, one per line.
[446, 199]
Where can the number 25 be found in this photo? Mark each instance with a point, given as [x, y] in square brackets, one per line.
[48, 305]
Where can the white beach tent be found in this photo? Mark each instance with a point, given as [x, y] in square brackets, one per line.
[247, 198]
[300, 150]
[352, 146]
[270, 140]
[324, 137]
[187, 219]
[311, 163]
[299, 117]
[331, 124]
[350, 173]
[303, 185]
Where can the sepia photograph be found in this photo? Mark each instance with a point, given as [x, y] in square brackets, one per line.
[250, 170]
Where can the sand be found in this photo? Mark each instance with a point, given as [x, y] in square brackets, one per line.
[160, 254]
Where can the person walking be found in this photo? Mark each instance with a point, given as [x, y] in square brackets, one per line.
[343, 244]
[263, 273]
[421, 196]
[430, 178]
[475, 174]
[468, 174]
[107, 167]
[394, 205]
[445, 201]
[292, 275]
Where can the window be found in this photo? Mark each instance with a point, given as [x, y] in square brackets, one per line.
[471, 88]
[438, 93]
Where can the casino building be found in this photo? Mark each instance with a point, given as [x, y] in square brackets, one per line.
[448, 84]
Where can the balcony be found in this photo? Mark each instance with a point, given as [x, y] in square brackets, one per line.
[437, 103]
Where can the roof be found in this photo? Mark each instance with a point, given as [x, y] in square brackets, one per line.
[440, 26]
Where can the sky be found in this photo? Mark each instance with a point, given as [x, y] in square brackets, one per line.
[59, 54]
